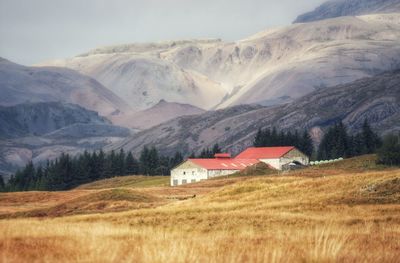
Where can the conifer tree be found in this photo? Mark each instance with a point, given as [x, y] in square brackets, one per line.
[371, 139]
[306, 144]
[101, 164]
[120, 159]
[132, 165]
[259, 139]
[2, 184]
[153, 161]
[389, 153]
[144, 161]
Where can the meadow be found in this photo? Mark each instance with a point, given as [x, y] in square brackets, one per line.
[342, 212]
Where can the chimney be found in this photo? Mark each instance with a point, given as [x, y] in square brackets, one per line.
[222, 156]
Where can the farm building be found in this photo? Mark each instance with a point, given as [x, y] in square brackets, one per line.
[277, 157]
[195, 170]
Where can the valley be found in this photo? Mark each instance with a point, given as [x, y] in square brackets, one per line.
[90, 132]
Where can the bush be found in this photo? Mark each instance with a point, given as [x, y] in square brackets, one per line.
[389, 153]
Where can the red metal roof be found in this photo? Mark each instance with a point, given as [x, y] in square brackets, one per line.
[264, 152]
[224, 164]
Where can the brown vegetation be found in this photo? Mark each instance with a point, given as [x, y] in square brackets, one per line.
[327, 214]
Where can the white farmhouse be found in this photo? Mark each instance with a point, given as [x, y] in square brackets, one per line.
[195, 170]
[277, 157]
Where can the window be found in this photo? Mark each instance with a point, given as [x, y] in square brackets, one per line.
[192, 172]
[184, 181]
[193, 181]
[175, 183]
[184, 173]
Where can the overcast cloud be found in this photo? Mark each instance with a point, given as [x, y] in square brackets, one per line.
[32, 31]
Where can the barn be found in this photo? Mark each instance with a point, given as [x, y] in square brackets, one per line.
[195, 170]
[279, 158]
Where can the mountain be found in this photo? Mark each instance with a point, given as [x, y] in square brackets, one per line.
[270, 68]
[163, 111]
[139, 74]
[337, 8]
[20, 84]
[41, 131]
[376, 99]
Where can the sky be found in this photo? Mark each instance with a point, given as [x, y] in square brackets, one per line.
[32, 31]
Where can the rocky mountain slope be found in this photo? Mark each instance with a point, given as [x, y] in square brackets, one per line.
[20, 84]
[163, 111]
[41, 131]
[272, 67]
[376, 99]
[33, 119]
[337, 8]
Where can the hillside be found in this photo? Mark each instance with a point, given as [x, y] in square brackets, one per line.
[376, 99]
[20, 84]
[44, 130]
[40, 118]
[266, 68]
[324, 215]
[337, 8]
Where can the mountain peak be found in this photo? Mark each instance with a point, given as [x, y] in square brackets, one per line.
[162, 101]
[338, 8]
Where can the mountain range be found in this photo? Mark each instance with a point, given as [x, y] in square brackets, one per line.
[272, 67]
[338, 62]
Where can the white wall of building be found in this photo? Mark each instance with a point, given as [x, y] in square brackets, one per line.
[188, 175]
[275, 163]
[188, 172]
[294, 155]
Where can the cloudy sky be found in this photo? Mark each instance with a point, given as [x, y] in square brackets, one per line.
[35, 30]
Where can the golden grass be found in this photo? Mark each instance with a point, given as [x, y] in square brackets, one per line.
[315, 215]
[128, 181]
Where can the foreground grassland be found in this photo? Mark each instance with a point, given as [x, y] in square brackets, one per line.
[343, 212]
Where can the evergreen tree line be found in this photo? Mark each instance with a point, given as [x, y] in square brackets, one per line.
[270, 138]
[338, 143]
[67, 172]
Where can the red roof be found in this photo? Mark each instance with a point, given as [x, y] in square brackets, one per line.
[264, 152]
[224, 164]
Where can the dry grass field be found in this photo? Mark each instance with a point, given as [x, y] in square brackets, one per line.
[342, 212]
